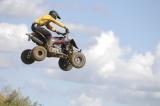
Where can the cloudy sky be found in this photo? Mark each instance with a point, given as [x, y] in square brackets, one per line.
[121, 41]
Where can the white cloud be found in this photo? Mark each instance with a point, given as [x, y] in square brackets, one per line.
[104, 44]
[21, 8]
[140, 65]
[106, 52]
[111, 62]
[85, 100]
[12, 36]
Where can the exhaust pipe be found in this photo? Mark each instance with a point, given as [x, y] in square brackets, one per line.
[34, 39]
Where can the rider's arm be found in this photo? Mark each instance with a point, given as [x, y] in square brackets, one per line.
[56, 22]
[53, 29]
[61, 25]
[50, 27]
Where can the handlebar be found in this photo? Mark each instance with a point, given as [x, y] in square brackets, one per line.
[66, 32]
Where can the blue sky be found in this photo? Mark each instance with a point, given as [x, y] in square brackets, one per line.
[108, 31]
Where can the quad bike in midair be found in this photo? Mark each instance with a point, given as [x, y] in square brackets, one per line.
[63, 48]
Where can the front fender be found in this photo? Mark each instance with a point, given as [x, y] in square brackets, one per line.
[72, 42]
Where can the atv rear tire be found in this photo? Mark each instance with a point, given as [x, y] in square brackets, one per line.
[39, 53]
[26, 57]
[64, 64]
[78, 60]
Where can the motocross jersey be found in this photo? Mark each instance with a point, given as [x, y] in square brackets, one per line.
[45, 21]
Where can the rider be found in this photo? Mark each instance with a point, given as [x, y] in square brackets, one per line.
[46, 20]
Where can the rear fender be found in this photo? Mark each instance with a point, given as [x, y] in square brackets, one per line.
[34, 38]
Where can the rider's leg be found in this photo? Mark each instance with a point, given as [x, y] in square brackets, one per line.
[48, 36]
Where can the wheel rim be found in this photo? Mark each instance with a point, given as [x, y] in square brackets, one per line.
[40, 53]
[29, 55]
[78, 60]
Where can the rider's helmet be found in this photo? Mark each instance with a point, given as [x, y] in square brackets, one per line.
[54, 14]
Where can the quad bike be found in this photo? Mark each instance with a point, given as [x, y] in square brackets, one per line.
[63, 48]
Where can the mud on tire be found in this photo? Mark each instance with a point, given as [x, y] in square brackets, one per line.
[78, 59]
[65, 64]
[39, 53]
[26, 57]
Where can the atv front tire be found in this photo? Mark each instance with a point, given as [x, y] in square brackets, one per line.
[26, 57]
[78, 60]
[39, 53]
[65, 64]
